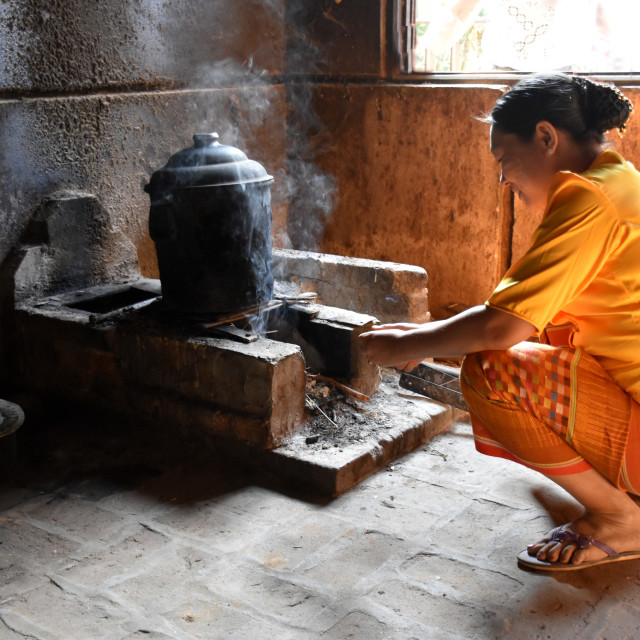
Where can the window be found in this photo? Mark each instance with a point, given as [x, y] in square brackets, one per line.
[493, 36]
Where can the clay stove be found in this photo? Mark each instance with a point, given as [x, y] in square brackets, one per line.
[117, 344]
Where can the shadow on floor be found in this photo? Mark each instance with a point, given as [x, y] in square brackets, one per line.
[62, 449]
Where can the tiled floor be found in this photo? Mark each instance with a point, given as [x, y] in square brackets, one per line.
[106, 533]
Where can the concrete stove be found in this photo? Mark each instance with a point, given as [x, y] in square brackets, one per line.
[112, 344]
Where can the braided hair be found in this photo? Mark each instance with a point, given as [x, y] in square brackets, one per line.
[584, 108]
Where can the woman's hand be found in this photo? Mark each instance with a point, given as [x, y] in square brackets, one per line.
[385, 345]
[404, 345]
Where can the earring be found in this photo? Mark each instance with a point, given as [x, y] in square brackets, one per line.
[549, 150]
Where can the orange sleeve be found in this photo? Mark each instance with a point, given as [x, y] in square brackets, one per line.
[569, 248]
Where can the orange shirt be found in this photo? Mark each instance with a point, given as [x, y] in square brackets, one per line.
[583, 267]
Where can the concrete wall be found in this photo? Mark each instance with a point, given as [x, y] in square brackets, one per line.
[628, 146]
[406, 171]
[95, 96]
[415, 183]
[74, 116]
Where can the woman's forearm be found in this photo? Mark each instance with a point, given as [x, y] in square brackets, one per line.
[475, 329]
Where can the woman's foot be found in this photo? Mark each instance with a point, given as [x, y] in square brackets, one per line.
[620, 531]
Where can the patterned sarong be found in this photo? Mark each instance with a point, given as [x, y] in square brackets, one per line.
[555, 410]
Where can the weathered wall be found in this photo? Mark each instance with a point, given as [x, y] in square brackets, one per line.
[94, 133]
[95, 96]
[109, 145]
[336, 38]
[415, 183]
[69, 46]
[402, 171]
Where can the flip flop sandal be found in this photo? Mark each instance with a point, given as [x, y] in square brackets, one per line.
[525, 561]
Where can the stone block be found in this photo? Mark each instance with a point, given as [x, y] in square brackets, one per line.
[328, 337]
[297, 538]
[389, 291]
[358, 625]
[73, 518]
[361, 555]
[201, 618]
[70, 615]
[286, 601]
[64, 246]
[61, 354]
[437, 610]
[253, 391]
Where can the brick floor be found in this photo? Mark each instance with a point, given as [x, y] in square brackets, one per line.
[105, 532]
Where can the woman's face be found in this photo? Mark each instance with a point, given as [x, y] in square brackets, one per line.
[527, 167]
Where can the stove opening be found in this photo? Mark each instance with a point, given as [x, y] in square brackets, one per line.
[113, 301]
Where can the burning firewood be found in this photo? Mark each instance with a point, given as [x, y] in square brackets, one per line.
[342, 387]
[279, 301]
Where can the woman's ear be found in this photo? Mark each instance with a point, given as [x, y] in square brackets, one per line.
[547, 136]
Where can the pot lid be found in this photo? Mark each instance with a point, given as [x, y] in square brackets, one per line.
[207, 163]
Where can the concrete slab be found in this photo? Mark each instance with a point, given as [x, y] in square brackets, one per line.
[202, 546]
[390, 291]
[397, 423]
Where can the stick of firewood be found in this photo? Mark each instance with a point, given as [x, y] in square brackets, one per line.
[241, 315]
[267, 306]
[342, 387]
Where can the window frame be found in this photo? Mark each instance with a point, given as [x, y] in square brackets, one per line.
[401, 37]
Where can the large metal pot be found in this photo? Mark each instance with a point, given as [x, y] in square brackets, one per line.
[210, 220]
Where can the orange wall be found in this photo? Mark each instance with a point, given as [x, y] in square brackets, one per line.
[415, 183]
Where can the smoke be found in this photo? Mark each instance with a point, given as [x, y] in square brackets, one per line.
[311, 192]
[308, 192]
[247, 112]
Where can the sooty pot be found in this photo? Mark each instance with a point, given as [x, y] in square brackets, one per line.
[210, 220]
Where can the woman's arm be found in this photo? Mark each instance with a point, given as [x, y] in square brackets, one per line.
[475, 329]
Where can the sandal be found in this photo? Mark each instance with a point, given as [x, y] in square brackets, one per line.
[526, 561]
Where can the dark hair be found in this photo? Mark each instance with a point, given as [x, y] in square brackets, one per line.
[582, 107]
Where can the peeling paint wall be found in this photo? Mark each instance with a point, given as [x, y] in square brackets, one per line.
[95, 96]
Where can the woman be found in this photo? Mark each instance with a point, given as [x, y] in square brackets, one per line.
[565, 405]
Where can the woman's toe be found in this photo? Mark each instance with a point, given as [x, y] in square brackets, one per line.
[551, 552]
[568, 554]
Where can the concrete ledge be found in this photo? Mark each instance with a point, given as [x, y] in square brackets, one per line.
[390, 291]
[333, 471]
